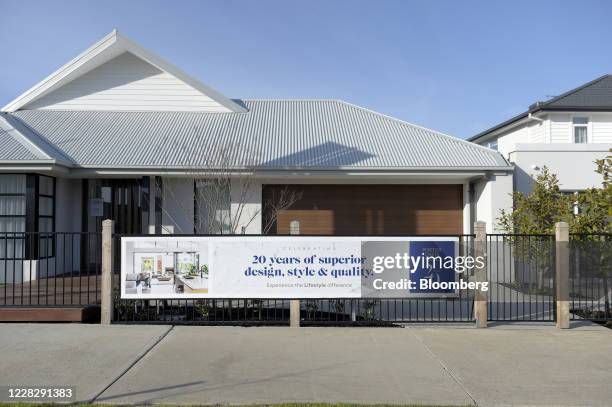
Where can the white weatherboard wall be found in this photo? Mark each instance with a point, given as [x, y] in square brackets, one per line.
[127, 83]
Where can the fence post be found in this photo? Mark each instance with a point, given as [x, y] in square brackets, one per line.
[106, 312]
[294, 305]
[480, 297]
[562, 274]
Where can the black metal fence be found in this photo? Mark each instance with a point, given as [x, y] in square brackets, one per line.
[49, 269]
[521, 275]
[591, 276]
[202, 312]
[63, 269]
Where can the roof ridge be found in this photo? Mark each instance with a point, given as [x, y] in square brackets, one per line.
[461, 141]
[574, 90]
[290, 100]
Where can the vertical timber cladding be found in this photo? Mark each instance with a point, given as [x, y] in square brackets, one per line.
[363, 210]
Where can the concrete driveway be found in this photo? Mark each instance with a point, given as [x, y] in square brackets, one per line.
[503, 365]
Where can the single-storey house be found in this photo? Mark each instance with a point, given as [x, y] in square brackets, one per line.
[120, 133]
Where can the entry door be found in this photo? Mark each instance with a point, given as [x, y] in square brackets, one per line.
[124, 201]
[126, 207]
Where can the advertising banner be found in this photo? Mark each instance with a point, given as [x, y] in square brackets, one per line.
[165, 267]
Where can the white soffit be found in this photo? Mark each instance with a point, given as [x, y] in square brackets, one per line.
[108, 48]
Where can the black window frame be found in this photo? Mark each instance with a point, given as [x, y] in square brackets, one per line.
[43, 236]
[32, 235]
[15, 235]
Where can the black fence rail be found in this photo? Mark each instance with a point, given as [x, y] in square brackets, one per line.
[387, 311]
[521, 275]
[202, 312]
[49, 269]
[591, 276]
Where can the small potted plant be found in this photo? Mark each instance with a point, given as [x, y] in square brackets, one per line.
[204, 271]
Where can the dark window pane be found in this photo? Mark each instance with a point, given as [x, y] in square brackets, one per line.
[12, 183]
[45, 206]
[45, 185]
[12, 205]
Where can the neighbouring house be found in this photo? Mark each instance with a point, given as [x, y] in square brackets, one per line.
[566, 133]
[119, 133]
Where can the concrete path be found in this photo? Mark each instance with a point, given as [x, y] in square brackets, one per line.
[458, 365]
[88, 357]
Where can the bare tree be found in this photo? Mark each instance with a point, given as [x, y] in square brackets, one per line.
[278, 202]
[224, 186]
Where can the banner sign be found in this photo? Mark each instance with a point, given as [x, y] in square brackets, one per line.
[165, 267]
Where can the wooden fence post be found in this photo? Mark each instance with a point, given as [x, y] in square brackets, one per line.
[480, 296]
[294, 305]
[562, 274]
[106, 312]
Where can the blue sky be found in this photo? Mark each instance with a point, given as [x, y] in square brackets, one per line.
[453, 66]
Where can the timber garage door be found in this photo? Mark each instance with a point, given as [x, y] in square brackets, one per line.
[366, 209]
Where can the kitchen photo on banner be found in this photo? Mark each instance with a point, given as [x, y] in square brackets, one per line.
[159, 268]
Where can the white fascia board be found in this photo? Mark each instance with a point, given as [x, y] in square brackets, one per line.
[38, 166]
[109, 47]
[195, 173]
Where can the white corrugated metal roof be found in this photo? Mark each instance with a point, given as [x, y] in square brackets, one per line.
[273, 134]
[12, 149]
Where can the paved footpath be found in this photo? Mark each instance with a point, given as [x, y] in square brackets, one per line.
[454, 365]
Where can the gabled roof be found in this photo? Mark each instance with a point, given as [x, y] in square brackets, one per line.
[272, 135]
[109, 47]
[592, 96]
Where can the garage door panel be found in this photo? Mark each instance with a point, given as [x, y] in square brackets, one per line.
[371, 209]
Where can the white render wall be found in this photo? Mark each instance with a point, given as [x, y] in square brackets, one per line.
[490, 197]
[68, 203]
[246, 206]
[177, 205]
[572, 163]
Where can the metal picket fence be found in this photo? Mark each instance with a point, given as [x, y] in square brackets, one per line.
[63, 270]
[42, 269]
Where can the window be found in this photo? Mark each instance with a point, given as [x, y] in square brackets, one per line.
[27, 204]
[12, 214]
[492, 144]
[46, 215]
[580, 127]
